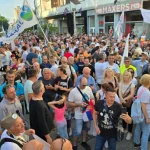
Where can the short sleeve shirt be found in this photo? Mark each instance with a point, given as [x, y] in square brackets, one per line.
[76, 97]
[145, 98]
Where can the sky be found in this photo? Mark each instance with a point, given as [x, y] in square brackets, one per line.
[7, 7]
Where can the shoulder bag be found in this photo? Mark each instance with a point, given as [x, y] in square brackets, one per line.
[127, 93]
[88, 110]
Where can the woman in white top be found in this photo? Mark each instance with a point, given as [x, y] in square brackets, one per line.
[143, 126]
[100, 95]
[126, 94]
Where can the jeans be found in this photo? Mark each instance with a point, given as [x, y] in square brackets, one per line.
[100, 141]
[144, 128]
[62, 129]
[80, 125]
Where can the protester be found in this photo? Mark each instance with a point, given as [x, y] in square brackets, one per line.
[61, 144]
[126, 93]
[144, 125]
[32, 74]
[14, 133]
[33, 145]
[105, 129]
[40, 117]
[77, 102]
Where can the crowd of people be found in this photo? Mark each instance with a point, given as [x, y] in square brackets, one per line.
[76, 86]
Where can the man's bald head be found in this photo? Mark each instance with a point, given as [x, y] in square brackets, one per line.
[33, 145]
[86, 72]
[61, 143]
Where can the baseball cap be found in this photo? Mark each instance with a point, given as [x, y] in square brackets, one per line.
[45, 46]
[92, 43]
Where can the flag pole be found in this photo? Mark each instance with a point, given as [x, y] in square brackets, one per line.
[38, 22]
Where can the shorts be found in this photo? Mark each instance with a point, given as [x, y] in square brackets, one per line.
[81, 125]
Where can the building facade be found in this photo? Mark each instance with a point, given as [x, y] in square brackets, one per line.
[96, 15]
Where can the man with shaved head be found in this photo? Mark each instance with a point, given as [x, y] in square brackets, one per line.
[33, 145]
[90, 80]
[61, 144]
[79, 104]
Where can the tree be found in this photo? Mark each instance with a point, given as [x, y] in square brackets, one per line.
[4, 22]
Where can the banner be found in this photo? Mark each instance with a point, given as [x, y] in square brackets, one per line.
[146, 15]
[126, 50]
[119, 28]
[26, 20]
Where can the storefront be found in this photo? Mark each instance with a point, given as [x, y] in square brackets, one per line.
[107, 16]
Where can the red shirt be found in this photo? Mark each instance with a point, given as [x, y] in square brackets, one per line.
[68, 54]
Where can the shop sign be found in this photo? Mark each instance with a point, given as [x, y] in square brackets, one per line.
[130, 6]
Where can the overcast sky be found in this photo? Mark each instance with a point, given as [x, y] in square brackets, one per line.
[7, 7]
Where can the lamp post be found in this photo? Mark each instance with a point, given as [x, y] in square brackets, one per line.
[74, 21]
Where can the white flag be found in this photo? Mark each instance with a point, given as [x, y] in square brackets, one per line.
[26, 20]
[126, 50]
[146, 15]
[119, 28]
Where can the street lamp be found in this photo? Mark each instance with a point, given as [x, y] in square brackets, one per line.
[74, 21]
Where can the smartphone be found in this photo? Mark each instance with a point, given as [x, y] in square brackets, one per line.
[123, 110]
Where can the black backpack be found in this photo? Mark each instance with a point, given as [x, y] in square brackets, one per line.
[4, 140]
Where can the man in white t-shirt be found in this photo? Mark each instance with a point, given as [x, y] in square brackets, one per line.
[77, 102]
[110, 64]
[98, 68]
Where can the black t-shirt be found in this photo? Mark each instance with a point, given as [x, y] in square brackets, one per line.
[104, 122]
[49, 95]
[66, 83]
[40, 118]
[80, 66]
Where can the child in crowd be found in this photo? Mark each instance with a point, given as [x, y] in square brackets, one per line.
[59, 107]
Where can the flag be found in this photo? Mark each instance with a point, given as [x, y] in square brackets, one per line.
[80, 10]
[25, 20]
[66, 11]
[126, 50]
[119, 28]
[146, 15]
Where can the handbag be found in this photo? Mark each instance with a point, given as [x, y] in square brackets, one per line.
[118, 126]
[126, 93]
[88, 110]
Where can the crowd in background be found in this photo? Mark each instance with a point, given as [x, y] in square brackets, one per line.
[55, 81]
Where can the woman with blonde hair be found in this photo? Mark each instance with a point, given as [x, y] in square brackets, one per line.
[109, 76]
[143, 126]
[126, 94]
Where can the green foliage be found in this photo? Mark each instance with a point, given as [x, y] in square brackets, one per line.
[51, 28]
[4, 22]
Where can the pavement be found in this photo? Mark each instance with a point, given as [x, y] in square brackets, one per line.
[123, 145]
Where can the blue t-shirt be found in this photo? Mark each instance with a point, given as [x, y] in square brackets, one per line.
[30, 56]
[18, 87]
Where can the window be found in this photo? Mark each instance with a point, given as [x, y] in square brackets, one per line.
[134, 16]
[92, 21]
[109, 18]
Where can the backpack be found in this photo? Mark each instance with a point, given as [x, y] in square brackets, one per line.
[4, 140]
[136, 109]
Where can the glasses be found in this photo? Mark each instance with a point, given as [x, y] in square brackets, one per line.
[84, 85]
[127, 61]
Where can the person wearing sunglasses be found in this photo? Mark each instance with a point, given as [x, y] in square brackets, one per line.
[61, 144]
